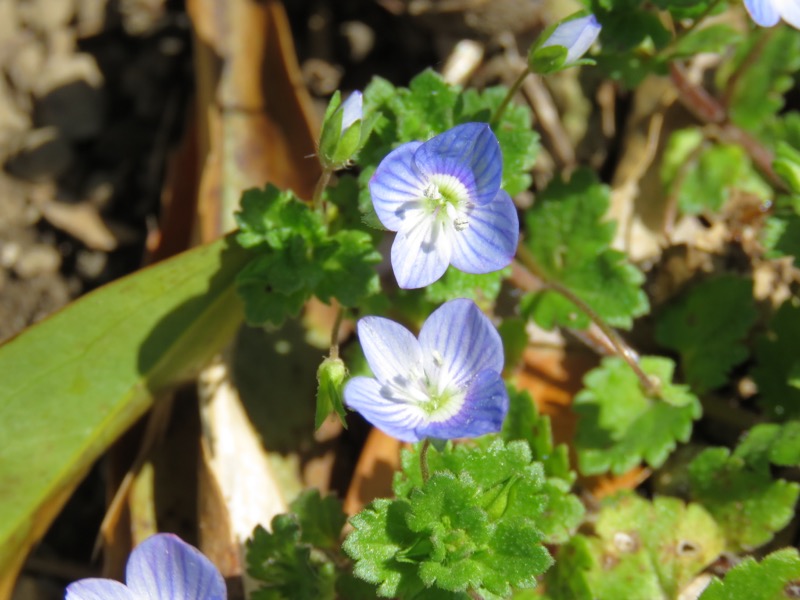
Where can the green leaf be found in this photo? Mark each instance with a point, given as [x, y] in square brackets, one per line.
[75, 382]
[772, 443]
[330, 387]
[742, 496]
[641, 550]
[502, 472]
[523, 422]
[714, 38]
[781, 235]
[321, 519]
[776, 577]
[620, 425]
[707, 326]
[347, 268]
[275, 218]
[286, 567]
[570, 244]
[761, 71]
[777, 360]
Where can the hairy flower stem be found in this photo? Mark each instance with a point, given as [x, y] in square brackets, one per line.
[423, 459]
[620, 346]
[498, 114]
[319, 189]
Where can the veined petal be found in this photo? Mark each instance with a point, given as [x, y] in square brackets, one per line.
[98, 589]
[421, 251]
[789, 11]
[468, 152]
[576, 35]
[397, 186]
[463, 340]
[483, 411]
[391, 350]
[164, 567]
[391, 415]
[489, 241]
[352, 109]
[763, 12]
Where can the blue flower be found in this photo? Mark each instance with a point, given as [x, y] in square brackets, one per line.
[444, 385]
[576, 35]
[443, 199]
[343, 131]
[163, 567]
[768, 12]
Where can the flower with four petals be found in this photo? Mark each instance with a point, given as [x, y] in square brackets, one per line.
[163, 567]
[443, 199]
[445, 384]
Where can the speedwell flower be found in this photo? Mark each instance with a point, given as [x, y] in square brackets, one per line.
[343, 131]
[445, 384]
[576, 35]
[443, 199]
[768, 12]
[163, 567]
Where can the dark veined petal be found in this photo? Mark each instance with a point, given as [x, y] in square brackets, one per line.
[98, 589]
[489, 241]
[763, 12]
[468, 152]
[164, 567]
[392, 416]
[464, 339]
[397, 186]
[483, 411]
[576, 35]
[421, 251]
[789, 11]
[391, 350]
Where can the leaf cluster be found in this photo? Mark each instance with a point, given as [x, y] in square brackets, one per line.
[298, 259]
[293, 560]
[478, 524]
[738, 488]
[639, 550]
[570, 242]
[777, 576]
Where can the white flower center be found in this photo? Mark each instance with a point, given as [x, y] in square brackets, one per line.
[447, 199]
[426, 386]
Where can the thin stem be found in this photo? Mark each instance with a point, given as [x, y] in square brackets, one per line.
[699, 19]
[619, 344]
[509, 95]
[423, 459]
[474, 595]
[319, 189]
[335, 333]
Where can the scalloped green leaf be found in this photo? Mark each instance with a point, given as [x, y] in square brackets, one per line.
[707, 326]
[620, 426]
[641, 550]
[776, 577]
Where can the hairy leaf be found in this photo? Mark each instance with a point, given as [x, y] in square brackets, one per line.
[777, 576]
[778, 362]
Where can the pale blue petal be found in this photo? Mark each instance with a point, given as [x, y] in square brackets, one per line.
[164, 567]
[397, 186]
[790, 11]
[377, 405]
[489, 241]
[421, 251]
[763, 12]
[98, 589]
[352, 110]
[391, 350]
[468, 152]
[484, 409]
[576, 35]
[465, 339]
